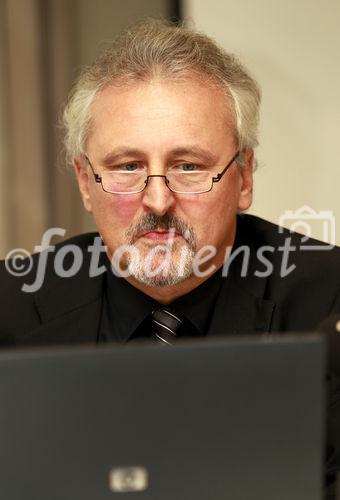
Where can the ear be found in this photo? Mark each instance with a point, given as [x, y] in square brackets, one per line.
[83, 183]
[246, 181]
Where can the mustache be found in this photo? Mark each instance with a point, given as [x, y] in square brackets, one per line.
[152, 222]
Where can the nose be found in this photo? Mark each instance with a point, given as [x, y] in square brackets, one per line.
[157, 197]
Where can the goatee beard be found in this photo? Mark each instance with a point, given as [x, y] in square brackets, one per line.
[165, 264]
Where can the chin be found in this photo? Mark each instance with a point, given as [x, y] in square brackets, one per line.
[163, 270]
[160, 281]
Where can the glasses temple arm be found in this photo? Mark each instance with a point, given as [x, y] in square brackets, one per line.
[97, 177]
[219, 176]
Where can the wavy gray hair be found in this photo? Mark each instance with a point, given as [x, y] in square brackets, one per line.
[160, 48]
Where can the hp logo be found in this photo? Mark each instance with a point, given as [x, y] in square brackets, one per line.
[128, 479]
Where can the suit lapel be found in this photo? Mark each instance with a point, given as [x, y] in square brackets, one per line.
[69, 310]
[238, 311]
[242, 306]
[80, 325]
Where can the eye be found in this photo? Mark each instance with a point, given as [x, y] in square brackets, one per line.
[187, 167]
[129, 167]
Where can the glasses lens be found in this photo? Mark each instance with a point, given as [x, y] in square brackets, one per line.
[189, 182]
[123, 182]
[134, 182]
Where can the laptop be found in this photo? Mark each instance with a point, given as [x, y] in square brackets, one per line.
[208, 420]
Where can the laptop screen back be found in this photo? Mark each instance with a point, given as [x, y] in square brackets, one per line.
[225, 419]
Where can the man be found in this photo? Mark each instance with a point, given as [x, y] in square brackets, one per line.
[161, 132]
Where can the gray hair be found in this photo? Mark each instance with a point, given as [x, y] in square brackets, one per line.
[159, 48]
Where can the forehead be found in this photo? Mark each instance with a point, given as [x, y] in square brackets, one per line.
[160, 114]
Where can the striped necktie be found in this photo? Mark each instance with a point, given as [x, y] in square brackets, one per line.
[167, 325]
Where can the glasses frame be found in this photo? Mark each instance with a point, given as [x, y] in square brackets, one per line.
[214, 179]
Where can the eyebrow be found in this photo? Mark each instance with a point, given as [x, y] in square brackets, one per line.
[194, 150]
[114, 155]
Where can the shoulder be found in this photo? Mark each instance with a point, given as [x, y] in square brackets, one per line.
[23, 280]
[263, 235]
[301, 275]
[16, 270]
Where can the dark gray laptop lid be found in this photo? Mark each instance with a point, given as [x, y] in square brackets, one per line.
[224, 419]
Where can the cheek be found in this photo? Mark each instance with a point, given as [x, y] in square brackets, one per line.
[197, 211]
[124, 207]
[118, 208]
[211, 215]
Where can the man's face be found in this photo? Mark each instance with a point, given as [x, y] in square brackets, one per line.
[157, 126]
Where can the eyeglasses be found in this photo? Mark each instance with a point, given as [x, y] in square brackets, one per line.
[135, 180]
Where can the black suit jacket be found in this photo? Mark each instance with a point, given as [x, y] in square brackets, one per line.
[68, 310]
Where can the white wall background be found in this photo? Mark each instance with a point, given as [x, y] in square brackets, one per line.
[292, 48]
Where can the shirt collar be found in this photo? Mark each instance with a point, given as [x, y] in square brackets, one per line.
[128, 306]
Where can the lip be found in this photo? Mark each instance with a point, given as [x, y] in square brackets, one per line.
[159, 235]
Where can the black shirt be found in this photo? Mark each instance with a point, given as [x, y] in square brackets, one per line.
[125, 307]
